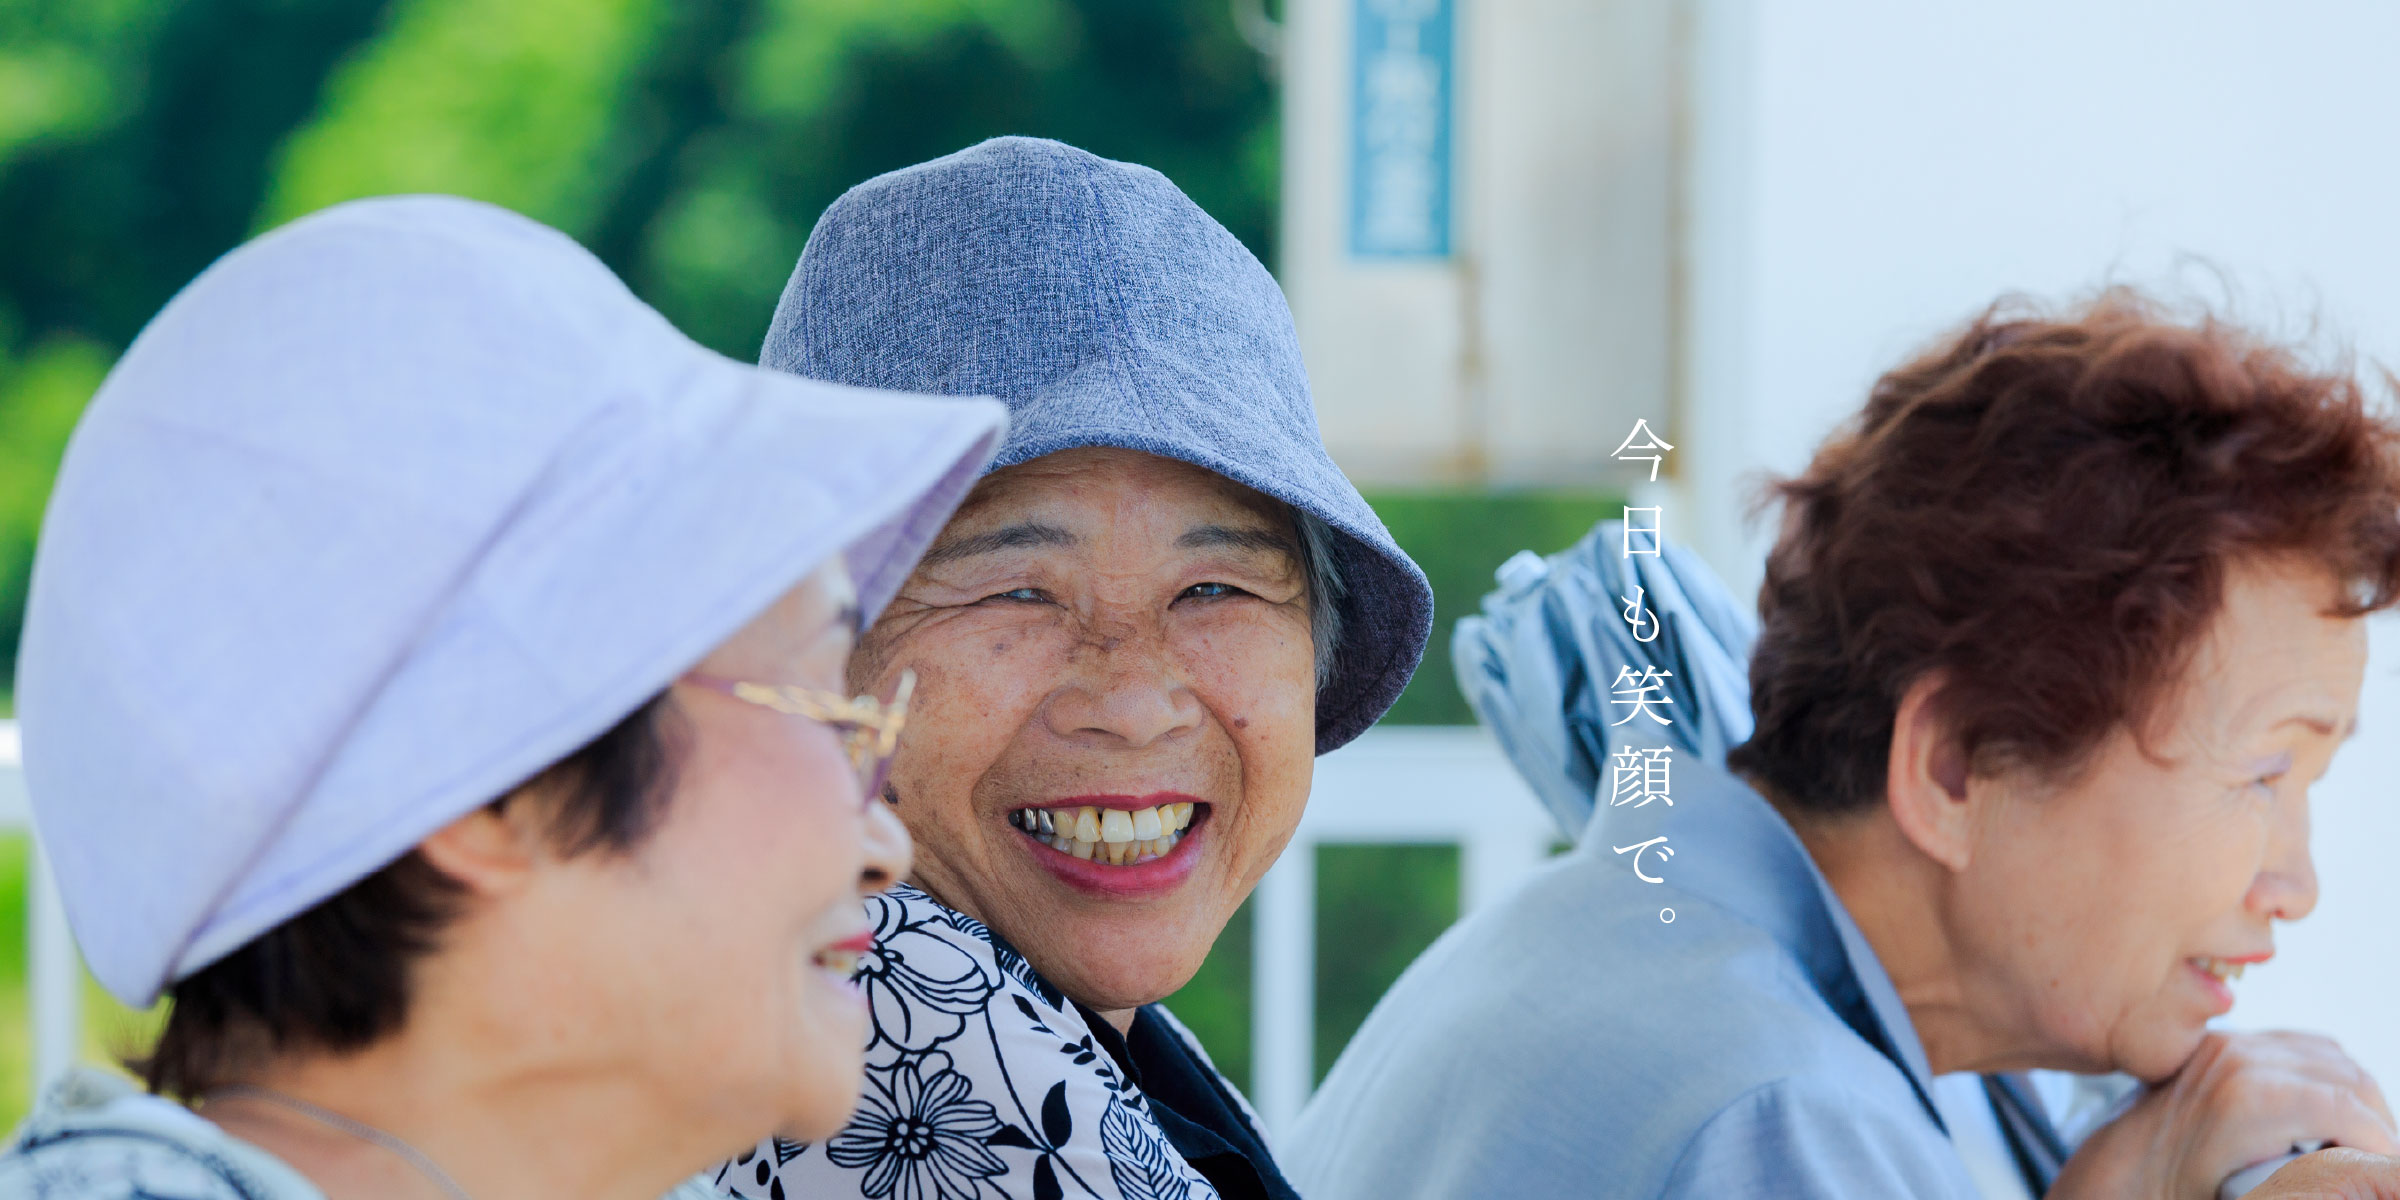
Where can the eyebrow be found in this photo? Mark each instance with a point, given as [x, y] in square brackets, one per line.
[2324, 726]
[1253, 538]
[1019, 536]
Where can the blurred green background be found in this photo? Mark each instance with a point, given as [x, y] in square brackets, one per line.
[691, 144]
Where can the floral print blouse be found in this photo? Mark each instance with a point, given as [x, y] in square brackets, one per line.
[983, 1082]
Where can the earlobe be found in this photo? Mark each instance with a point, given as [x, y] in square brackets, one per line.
[490, 850]
[1926, 781]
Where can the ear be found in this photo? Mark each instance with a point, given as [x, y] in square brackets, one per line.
[491, 851]
[1926, 783]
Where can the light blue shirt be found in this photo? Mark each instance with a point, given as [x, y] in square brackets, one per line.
[1567, 1041]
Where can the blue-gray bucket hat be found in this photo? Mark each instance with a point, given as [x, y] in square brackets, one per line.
[1105, 309]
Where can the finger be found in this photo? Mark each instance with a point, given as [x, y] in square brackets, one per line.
[2334, 1175]
[2356, 1123]
[2373, 1092]
[2261, 1097]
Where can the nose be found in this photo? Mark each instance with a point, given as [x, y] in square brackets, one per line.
[888, 849]
[2286, 886]
[1126, 689]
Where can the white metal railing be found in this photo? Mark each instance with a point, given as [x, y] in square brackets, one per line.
[52, 969]
[1394, 785]
[1399, 785]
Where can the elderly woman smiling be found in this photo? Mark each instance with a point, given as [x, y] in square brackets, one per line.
[381, 709]
[2056, 637]
[1132, 640]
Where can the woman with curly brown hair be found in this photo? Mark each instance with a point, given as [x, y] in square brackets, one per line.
[2056, 636]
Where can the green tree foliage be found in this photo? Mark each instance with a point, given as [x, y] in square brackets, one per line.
[691, 143]
[1460, 538]
[518, 103]
[41, 394]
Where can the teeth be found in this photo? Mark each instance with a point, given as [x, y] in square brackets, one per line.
[2226, 972]
[1114, 835]
[1116, 825]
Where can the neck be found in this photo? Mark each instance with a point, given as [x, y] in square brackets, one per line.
[1900, 901]
[492, 1103]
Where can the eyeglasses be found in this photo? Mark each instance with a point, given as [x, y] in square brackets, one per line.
[870, 728]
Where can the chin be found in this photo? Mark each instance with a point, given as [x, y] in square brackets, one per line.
[817, 1120]
[1122, 985]
[823, 1104]
[2160, 1050]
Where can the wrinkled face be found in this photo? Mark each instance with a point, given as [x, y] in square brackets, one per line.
[2103, 918]
[733, 925]
[1114, 723]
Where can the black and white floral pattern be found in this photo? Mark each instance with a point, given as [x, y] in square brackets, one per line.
[983, 1083]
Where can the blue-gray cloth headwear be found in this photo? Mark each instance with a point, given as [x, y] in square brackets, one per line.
[1105, 309]
[1542, 666]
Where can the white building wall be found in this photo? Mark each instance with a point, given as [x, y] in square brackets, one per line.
[1526, 354]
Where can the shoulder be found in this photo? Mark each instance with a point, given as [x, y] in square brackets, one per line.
[1570, 1016]
[1578, 978]
[981, 1079]
[1816, 1136]
[96, 1138]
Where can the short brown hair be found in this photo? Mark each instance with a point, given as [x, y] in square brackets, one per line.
[2043, 509]
[336, 978]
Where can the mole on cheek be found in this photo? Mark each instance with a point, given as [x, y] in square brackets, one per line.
[1241, 722]
[999, 648]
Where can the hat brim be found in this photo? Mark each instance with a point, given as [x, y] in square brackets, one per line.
[752, 480]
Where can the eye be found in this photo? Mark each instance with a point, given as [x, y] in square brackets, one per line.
[1210, 591]
[1023, 595]
[2270, 773]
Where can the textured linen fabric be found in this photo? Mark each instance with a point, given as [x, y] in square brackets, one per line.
[1568, 1042]
[1105, 309]
[94, 1137]
[1539, 665]
[1540, 662]
[983, 1080]
[385, 512]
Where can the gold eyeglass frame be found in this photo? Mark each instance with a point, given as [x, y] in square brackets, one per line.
[869, 728]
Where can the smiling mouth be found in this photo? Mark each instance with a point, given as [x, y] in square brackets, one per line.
[844, 958]
[1115, 836]
[2225, 972]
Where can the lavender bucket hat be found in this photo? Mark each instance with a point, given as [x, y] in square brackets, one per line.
[1105, 309]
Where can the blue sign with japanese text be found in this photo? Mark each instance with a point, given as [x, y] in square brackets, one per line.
[1400, 135]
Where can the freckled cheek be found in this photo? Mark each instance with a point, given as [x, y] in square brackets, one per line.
[1270, 716]
[973, 697]
[1250, 675]
[1262, 715]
